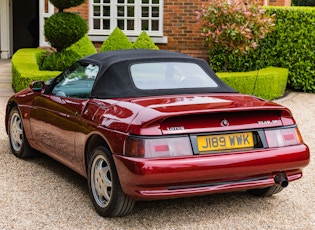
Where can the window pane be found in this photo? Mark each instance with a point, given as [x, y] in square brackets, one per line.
[131, 1]
[106, 1]
[155, 12]
[145, 1]
[121, 1]
[144, 25]
[106, 11]
[120, 11]
[96, 24]
[97, 11]
[130, 25]
[106, 24]
[155, 1]
[131, 11]
[145, 11]
[155, 25]
[121, 24]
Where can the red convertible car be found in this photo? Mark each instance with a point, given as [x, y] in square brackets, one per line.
[146, 125]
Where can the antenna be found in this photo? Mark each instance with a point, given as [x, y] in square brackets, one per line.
[257, 75]
[255, 82]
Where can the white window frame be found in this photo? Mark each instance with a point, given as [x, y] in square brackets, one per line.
[44, 14]
[137, 19]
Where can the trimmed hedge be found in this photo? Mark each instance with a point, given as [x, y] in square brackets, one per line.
[291, 45]
[25, 68]
[303, 3]
[268, 83]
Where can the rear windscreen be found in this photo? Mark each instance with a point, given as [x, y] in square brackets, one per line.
[170, 75]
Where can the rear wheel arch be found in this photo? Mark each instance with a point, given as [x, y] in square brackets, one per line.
[98, 153]
[93, 142]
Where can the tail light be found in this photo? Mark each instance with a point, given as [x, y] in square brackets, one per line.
[158, 147]
[283, 137]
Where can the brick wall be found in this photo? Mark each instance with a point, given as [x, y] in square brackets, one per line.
[279, 2]
[83, 10]
[181, 28]
[180, 25]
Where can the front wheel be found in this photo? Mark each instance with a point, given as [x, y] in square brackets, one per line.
[104, 186]
[18, 141]
[269, 191]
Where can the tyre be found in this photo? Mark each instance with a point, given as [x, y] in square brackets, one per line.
[269, 191]
[104, 186]
[18, 141]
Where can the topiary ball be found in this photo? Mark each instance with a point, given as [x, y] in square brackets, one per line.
[62, 4]
[63, 29]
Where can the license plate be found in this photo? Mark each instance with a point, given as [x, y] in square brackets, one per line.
[225, 141]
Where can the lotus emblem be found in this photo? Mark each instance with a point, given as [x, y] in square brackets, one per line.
[225, 122]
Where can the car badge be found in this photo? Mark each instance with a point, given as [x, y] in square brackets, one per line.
[179, 128]
[225, 122]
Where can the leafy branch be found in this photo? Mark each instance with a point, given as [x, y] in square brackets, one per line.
[234, 26]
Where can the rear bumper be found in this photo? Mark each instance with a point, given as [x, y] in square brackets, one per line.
[149, 179]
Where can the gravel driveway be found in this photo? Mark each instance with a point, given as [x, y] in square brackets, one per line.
[43, 194]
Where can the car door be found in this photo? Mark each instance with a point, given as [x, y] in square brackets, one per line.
[56, 115]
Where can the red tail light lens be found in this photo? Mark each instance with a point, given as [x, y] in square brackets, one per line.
[158, 147]
[283, 137]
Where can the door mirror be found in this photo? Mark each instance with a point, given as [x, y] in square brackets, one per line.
[38, 86]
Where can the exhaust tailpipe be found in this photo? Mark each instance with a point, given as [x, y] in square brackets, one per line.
[281, 180]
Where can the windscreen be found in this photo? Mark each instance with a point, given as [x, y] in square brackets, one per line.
[170, 75]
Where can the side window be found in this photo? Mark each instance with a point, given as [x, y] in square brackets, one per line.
[77, 83]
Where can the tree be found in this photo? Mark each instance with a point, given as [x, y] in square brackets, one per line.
[63, 29]
[234, 26]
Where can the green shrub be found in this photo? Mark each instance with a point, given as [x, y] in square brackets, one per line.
[268, 83]
[60, 60]
[83, 47]
[235, 27]
[291, 45]
[65, 58]
[117, 40]
[62, 4]
[303, 3]
[63, 29]
[144, 41]
[25, 68]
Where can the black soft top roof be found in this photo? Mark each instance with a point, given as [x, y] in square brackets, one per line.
[114, 80]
